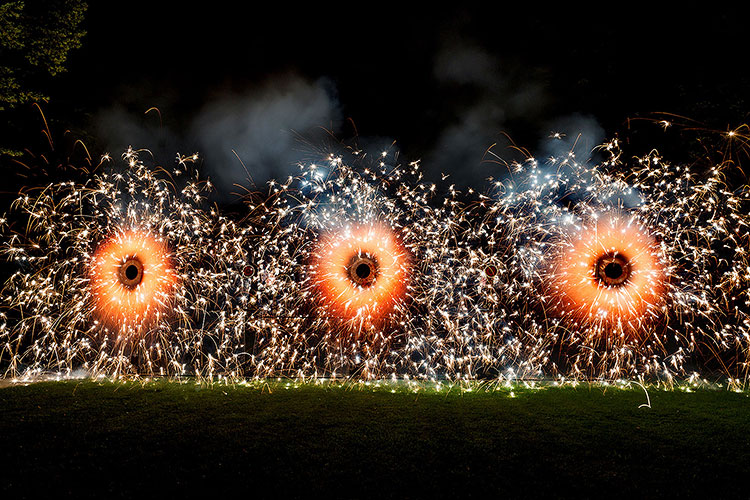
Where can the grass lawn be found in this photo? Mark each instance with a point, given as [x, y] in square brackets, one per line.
[113, 440]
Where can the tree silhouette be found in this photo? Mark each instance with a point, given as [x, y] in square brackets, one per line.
[35, 40]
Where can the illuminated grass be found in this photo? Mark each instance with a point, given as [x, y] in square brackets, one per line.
[132, 439]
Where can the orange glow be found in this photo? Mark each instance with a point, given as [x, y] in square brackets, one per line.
[360, 273]
[609, 273]
[132, 279]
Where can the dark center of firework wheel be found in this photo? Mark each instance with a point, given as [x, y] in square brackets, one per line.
[131, 272]
[363, 270]
[612, 270]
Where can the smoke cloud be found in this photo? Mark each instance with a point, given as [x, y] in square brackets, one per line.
[243, 139]
[248, 138]
[267, 129]
[578, 134]
[484, 97]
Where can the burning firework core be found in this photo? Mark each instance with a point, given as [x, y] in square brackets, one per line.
[360, 272]
[363, 270]
[131, 272]
[131, 280]
[612, 270]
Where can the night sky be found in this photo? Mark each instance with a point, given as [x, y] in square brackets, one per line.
[444, 84]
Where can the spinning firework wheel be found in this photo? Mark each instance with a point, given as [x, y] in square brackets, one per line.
[151, 298]
[360, 275]
[132, 281]
[609, 278]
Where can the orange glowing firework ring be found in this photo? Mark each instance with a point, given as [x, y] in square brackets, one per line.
[131, 279]
[360, 273]
[611, 274]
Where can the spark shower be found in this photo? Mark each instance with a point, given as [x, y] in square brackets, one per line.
[631, 267]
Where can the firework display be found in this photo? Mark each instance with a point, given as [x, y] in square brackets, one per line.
[122, 274]
[360, 272]
[624, 268]
[357, 267]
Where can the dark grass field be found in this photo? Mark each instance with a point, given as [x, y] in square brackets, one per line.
[130, 440]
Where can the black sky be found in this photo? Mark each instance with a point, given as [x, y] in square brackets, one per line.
[436, 80]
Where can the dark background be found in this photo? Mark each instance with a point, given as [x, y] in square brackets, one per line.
[444, 83]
